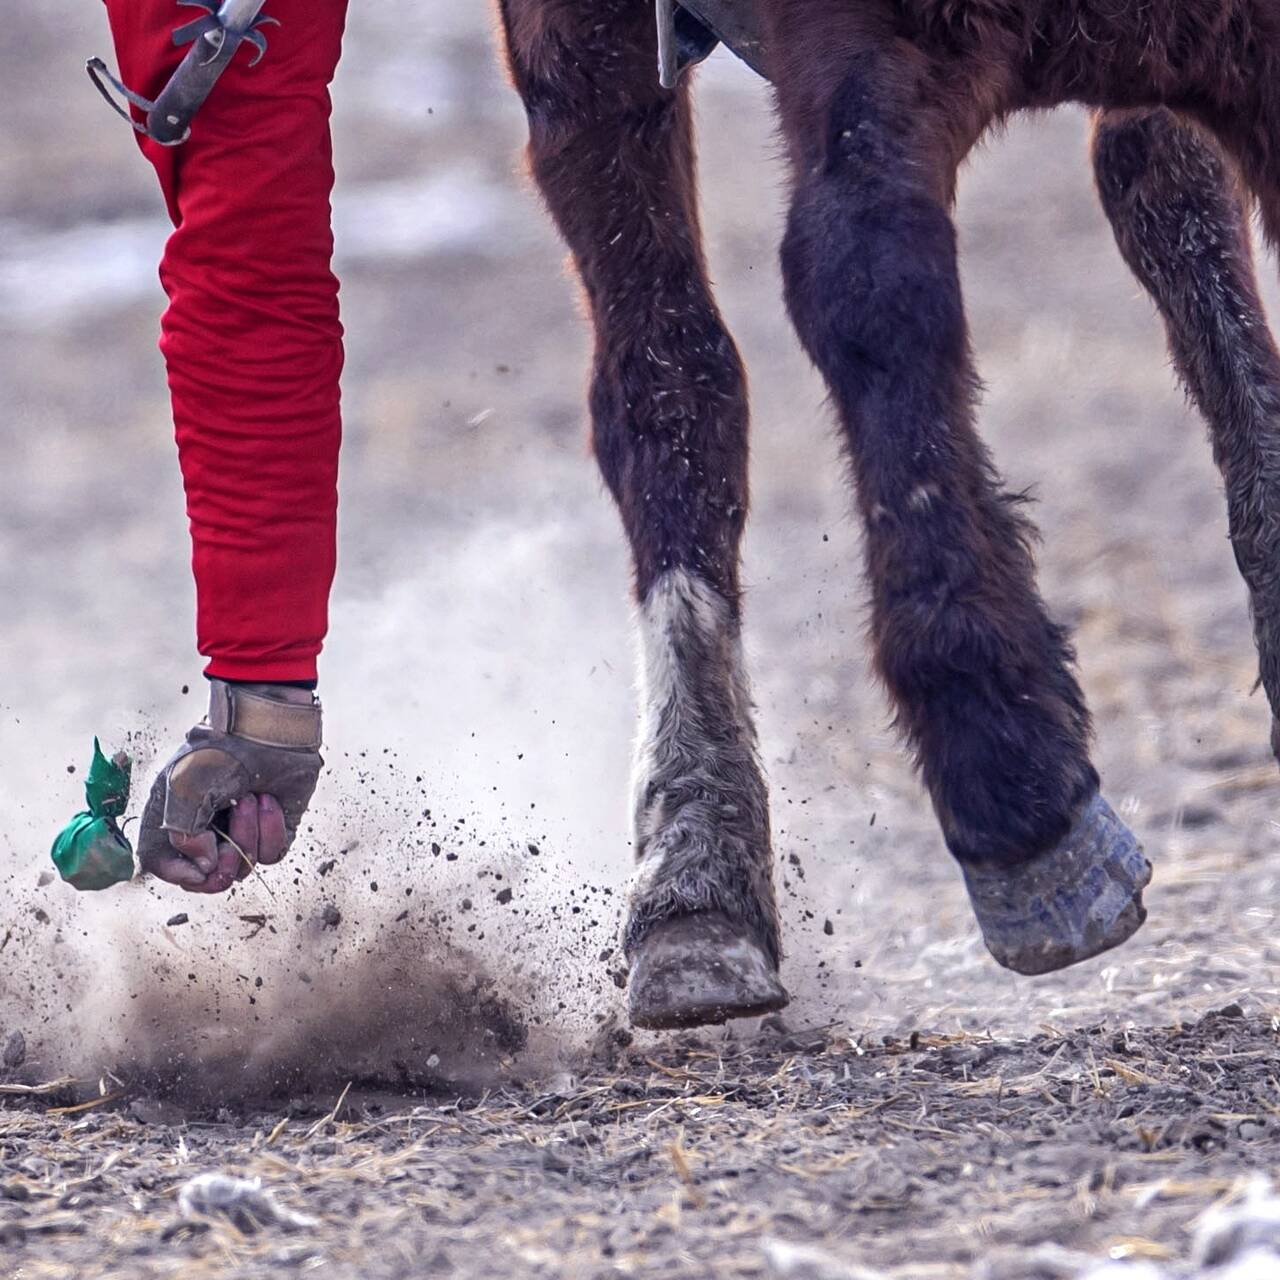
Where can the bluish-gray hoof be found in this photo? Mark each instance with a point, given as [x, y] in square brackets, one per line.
[1069, 904]
[699, 970]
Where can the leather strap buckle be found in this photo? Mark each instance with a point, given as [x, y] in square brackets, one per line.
[267, 721]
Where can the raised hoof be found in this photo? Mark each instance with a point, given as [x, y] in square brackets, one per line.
[1069, 904]
[694, 971]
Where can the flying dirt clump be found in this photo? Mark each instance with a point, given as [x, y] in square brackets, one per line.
[15, 1051]
[397, 946]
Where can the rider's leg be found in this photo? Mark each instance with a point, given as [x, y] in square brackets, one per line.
[251, 335]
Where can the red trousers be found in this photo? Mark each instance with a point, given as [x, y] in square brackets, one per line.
[251, 337]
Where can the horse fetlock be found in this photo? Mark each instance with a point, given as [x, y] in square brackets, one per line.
[703, 845]
[1007, 777]
[700, 859]
[702, 932]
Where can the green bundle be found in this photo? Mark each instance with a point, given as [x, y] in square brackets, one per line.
[91, 851]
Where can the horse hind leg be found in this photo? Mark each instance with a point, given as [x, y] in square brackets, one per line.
[612, 154]
[1180, 217]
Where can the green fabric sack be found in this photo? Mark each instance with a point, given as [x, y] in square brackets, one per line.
[91, 851]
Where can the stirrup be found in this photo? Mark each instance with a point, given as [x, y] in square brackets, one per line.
[683, 41]
[214, 38]
[688, 30]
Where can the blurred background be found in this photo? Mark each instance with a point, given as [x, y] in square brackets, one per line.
[480, 661]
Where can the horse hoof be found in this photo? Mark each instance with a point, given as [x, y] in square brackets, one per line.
[1070, 904]
[694, 971]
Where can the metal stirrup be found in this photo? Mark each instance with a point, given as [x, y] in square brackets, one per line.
[668, 63]
[215, 37]
[683, 41]
[688, 30]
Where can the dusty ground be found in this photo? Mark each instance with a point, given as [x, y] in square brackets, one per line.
[813, 1154]
[477, 686]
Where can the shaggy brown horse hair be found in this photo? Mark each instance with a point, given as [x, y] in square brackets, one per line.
[880, 101]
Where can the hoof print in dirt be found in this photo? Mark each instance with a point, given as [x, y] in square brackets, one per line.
[1076, 901]
[700, 970]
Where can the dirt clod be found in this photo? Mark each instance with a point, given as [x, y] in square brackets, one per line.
[15, 1051]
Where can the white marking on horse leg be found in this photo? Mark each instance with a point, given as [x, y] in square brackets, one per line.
[693, 689]
[701, 807]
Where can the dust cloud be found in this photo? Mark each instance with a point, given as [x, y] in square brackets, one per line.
[427, 927]
[455, 897]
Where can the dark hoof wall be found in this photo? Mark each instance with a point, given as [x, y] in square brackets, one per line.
[1068, 905]
[699, 970]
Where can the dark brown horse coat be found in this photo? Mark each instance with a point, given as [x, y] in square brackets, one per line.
[880, 101]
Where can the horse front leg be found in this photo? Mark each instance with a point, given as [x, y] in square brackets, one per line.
[981, 675]
[612, 154]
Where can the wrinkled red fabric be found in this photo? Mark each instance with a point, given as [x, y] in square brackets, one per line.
[251, 336]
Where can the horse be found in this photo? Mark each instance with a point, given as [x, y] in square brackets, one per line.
[879, 103]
